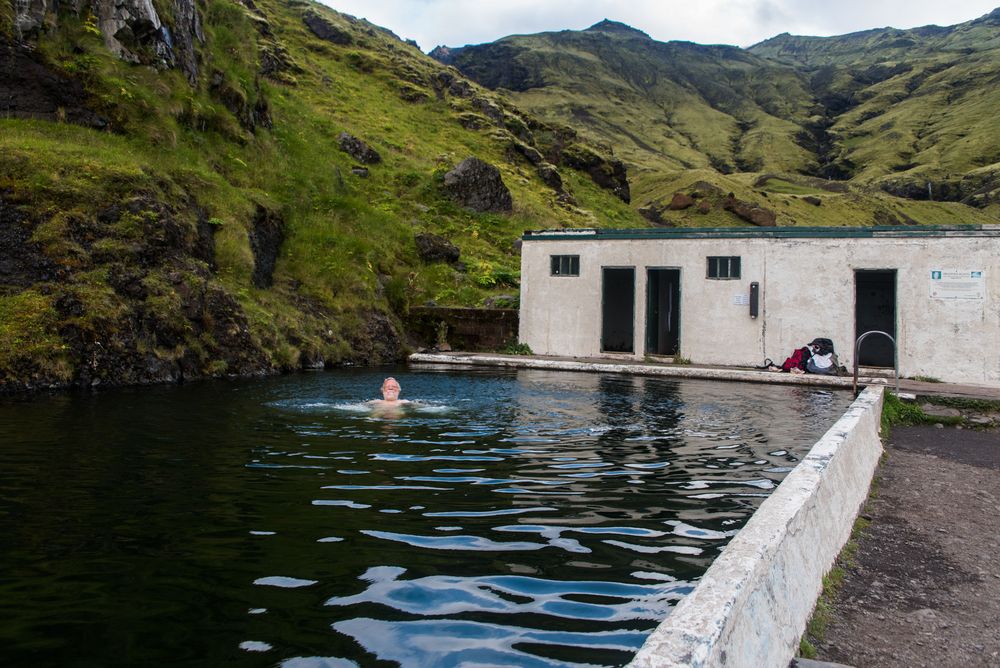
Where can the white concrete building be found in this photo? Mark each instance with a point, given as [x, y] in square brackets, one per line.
[733, 296]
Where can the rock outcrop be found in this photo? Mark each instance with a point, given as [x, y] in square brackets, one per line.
[131, 29]
[31, 89]
[434, 248]
[608, 173]
[750, 212]
[681, 201]
[358, 149]
[477, 185]
[326, 30]
[251, 114]
[265, 241]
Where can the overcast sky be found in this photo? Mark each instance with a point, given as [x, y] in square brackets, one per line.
[739, 22]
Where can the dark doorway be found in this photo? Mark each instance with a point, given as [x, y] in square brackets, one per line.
[663, 311]
[875, 309]
[618, 310]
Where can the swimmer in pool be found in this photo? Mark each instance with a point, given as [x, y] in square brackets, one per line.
[390, 401]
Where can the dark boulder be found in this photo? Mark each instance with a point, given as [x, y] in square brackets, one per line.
[550, 175]
[472, 121]
[681, 201]
[608, 173]
[432, 248]
[815, 201]
[531, 154]
[326, 30]
[413, 94]
[22, 263]
[750, 212]
[276, 63]
[358, 149]
[654, 213]
[378, 342]
[30, 89]
[489, 109]
[477, 185]
[266, 237]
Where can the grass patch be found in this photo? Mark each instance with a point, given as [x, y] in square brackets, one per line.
[782, 186]
[30, 345]
[516, 348]
[895, 412]
[961, 403]
[833, 582]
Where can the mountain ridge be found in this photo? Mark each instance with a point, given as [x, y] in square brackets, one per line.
[798, 106]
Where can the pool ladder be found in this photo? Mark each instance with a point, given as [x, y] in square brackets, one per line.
[895, 357]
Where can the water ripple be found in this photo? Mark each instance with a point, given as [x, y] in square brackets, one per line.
[454, 643]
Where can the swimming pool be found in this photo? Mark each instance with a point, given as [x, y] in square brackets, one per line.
[529, 518]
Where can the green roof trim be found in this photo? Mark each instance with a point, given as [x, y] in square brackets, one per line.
[889, 232]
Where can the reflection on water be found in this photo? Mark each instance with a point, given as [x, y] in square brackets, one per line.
[522, 518]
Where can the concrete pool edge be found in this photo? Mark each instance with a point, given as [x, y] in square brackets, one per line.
[640, 369]
[752, 605]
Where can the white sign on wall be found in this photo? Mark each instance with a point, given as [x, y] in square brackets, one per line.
[955, 284]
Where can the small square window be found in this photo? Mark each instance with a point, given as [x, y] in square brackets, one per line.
[565, 265]
[724, 268]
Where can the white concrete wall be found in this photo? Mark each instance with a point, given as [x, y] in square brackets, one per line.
[806, 290]
[752, 605]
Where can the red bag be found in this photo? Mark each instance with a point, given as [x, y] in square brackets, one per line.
[797, 360]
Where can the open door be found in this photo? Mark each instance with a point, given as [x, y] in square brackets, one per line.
[663, 312]
[618, 310]
[875, 309]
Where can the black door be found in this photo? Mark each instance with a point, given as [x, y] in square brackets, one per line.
[875, 309]
[663, 312]
[618, 310]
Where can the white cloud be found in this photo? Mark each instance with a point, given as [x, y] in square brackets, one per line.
[740, 22]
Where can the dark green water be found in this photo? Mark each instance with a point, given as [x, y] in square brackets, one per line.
[521, 518]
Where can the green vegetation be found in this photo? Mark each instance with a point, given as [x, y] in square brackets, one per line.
[516, 348]
[979, 405]
[121, 215]
[895, 411]
[832, 583]
[149, 234]
[899, 117]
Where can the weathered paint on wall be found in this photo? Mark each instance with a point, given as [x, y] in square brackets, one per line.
[807, 289]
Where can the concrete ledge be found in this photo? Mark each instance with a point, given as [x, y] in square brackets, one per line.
[633, 368]
[752, 605]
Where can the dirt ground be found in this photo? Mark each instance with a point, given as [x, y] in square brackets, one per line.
[924, 589]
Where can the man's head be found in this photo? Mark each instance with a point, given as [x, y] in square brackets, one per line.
[390, 389]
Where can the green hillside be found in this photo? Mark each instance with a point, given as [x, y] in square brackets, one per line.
[192, 213]
[900, 118]
[194, 188]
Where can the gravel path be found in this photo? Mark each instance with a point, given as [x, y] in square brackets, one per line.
[924, 589]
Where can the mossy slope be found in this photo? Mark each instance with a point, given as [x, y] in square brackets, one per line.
[147, 228]
[901, 117]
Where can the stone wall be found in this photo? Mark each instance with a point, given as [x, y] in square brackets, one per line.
[471, 329]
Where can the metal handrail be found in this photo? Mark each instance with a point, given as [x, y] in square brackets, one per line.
[895, 356]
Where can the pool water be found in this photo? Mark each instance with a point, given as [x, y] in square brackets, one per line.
[524, 518]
